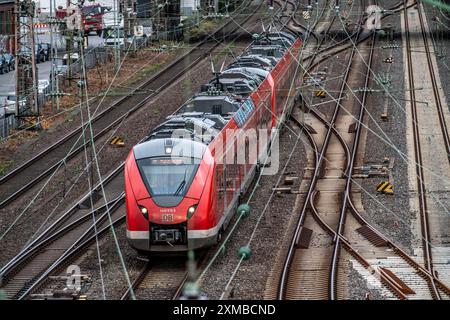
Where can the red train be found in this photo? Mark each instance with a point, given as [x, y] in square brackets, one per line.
[184, 182]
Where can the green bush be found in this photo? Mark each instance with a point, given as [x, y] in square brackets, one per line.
[204, 29]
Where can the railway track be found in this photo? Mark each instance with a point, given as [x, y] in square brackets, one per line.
[318, 286]
[415, 276]
[114, 186]
[374, 240]
[67, 237]
[285, 289]
[27, 175]
[159, 280]
[321, 282]
[288, 282]
[434, 82]
[418, 154]
[371, 234]
[323, 54]
[30, 270]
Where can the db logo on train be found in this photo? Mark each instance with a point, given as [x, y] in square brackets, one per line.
[167, 217]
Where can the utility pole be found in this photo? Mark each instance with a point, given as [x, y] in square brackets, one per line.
[54, 79]
[128, 9]
[158, 18]
[26, 71]
[213, 7]
[74, 30]
[133, 21]
[116, 9]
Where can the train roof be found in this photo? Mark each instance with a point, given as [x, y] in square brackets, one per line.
[203, 116]
[169, 147]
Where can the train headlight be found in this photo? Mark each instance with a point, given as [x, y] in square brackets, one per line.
[191, 211]
[144, 211]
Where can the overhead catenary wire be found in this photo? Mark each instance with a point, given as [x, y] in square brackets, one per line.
[238, 220]
[53, 79]
[89, 109]
[62, 162]
[99, 151]
[59, 166]
[90, 182]
[401, 219]
[97, 166]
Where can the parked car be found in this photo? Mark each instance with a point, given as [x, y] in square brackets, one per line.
[10, 106]
[11, 61]
[47, 48]
[61, 70]
[38, 52]
[4, 68]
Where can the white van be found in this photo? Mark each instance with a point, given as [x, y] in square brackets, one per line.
[113, 36]
[10, 103]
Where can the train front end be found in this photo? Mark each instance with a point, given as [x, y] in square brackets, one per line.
[168, 196]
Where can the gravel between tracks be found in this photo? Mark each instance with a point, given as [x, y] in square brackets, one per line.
[251, 277]
[136, 127]
[390, 214]
[440, 37]
[360, 288]
[53, 194]
[132, 129]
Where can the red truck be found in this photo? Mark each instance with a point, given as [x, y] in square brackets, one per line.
[92, 17]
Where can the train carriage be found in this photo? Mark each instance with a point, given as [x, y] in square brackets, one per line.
[184, 181]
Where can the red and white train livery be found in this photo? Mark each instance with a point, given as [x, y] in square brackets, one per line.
[181, 186]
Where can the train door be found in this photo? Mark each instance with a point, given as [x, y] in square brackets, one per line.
[230, 173]
[237, 169]
[220, 190]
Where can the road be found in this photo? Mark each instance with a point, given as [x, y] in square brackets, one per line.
[7, 81]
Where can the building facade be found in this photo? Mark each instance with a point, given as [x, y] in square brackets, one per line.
[6, 25]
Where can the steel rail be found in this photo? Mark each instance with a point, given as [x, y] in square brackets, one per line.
[299, 225]
[61, 220]
[305, 206]
[74, 244]
[425, 228]
[41, 240]
[38, 175]
[437, 96]
[348, 183]
[363, 222]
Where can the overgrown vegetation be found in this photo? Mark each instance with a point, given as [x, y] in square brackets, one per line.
[202, 30]
[4, 165]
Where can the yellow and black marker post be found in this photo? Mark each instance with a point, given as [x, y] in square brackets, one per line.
[321, 94]
[385, 187]
[117, 141]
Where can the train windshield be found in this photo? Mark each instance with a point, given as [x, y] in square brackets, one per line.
[167, 176]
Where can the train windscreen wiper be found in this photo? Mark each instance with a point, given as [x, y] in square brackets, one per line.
[181, 186]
